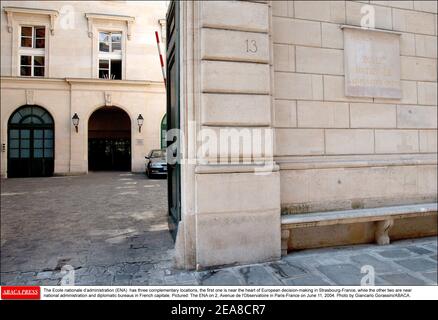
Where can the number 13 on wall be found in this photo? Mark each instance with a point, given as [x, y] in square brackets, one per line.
[251, 46]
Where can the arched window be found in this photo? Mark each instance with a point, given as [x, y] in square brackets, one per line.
[30, 142]
[31, 115]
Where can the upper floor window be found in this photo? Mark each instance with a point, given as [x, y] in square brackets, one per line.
[32, 51]
[110, 41]
[32, 66]
[33, 37]
[110, 55]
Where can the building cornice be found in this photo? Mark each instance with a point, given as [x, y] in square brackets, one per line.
[141, 83]
[10, 11]
[115, 82]
[29, 79]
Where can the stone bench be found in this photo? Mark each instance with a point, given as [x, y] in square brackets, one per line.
[383, 217]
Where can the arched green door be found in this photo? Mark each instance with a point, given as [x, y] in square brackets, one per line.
[163, 132]
[30, 142]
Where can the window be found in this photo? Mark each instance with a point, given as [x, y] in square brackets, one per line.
[32, 51]
[33, 37]
[110, 55]
[110, 41]
[32, 66]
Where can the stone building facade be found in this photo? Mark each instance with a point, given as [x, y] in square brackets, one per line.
[349, 90]
[341, 95]
[86, 58]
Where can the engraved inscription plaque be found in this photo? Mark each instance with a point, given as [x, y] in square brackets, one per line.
[372, 63]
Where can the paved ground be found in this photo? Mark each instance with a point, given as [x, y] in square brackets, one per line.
[112, 229]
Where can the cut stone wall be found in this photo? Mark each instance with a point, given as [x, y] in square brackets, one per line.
[315, 121]
[231, 215]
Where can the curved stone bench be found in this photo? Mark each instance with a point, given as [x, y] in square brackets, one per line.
[384, 218]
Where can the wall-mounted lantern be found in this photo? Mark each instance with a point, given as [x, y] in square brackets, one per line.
[75, 121]
[140, 121]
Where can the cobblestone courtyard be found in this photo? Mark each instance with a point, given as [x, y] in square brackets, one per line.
[112, 229]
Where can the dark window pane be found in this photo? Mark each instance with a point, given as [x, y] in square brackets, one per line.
[48, 133]
[36, 120]
[103, 74]
[38, 153]
[25, 60]
[38, 61]
[26, 31]
[26, 111]
[13, 153]
[24, 153]
[38, 71]
[48, 153]
[37, 143]
[103, 47]
[117, 46]
[40, 43]
[25, 134]
[48, 143]
[25, 71]
[38, 134]
[46, 118]
[40, 32]
[32, 119]
[13, 134]
[103, 64]
[13, 143]
[25, 143]
[26, 42]
[116, 69]
[16, 118]
[38, 112]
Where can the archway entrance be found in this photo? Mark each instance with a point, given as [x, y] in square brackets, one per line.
[30, 142]
[109, 140]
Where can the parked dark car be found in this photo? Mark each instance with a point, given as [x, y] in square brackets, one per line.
[156, 164]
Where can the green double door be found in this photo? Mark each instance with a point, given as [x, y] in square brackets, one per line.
[30, 143]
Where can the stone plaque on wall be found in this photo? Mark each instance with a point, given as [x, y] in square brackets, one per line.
[372, 63]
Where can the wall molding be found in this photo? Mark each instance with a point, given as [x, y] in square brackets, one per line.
[11, 11]
[92, 17]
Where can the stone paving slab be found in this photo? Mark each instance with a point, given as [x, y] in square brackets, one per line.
[258, 276]
[343, 274]
[309, 280]
[219, 278]
[403, 279]
[430, 275]
[419, 250]
[117, 235]
[395, 253]
[378, 265]
[418, 264]
[287, 270]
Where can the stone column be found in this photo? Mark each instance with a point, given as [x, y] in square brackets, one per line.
[233, 205]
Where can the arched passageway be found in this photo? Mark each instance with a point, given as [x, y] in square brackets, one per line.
[109, 140]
